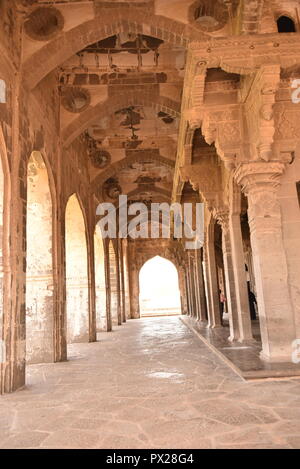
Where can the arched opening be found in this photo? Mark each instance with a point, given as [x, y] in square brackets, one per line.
[100, 282]
[159, 288]
[77, 294]
[39, 264]
[114, 286]
[285, 24]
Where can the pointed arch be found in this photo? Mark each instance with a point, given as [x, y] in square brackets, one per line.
[115, 103]
[159, 288]
[39, 263]
[77, 283]
[68, 43]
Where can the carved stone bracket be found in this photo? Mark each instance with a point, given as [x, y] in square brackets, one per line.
[222, 216]
[205, 178]
[259, 109]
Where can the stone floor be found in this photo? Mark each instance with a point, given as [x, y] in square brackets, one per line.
[244, 358]
[150, 384]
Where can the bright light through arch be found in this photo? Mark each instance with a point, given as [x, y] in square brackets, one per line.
[159, 288]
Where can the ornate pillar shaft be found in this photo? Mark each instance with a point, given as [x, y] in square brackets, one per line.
[260, 181]
[229, 281]
[122, 281]
[188, 298]
[214, 317]
[190, 291]
[183, 291]
[134, 288]
[200, 287]
[240, 281]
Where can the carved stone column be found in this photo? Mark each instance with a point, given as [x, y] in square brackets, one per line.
[183, 290]
[214, 317]
[200, 287]
[223, 219]
[193, 290]
[238, 259]
[260, 181]
[196, 285]
[134, 288]
[122, 281]
[108, 289]
[188, 297]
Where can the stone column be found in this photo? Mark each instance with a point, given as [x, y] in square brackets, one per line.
[134, 287]
[192, 287]
[229, 277]
[126, 279]
[190, 295]
[196, 283]
[118, 273]
[108, 288]
[201, 289]
[214, 317]
[183, 290]
[260, 181]
[238, 258]
[122, 281]
[187, 288]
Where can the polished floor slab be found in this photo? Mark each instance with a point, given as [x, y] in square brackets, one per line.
[243, 358]
[149, 384]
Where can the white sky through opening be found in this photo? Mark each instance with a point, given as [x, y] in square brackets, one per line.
[159, 289]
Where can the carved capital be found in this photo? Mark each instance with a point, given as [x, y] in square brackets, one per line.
[258, 176]
[222, 217]
[260, 182]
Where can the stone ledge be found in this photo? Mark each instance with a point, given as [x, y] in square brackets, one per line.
[243, 360]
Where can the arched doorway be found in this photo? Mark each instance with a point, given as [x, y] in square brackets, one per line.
[159, 288]
[77, 293]
[100, 282]
[39, 264]
[114, 286]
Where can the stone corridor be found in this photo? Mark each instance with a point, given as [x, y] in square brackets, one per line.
[148, 384]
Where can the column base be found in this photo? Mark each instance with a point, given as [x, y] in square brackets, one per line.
[232, 339]
[214, 326]
[275, 358]
[247, 341]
